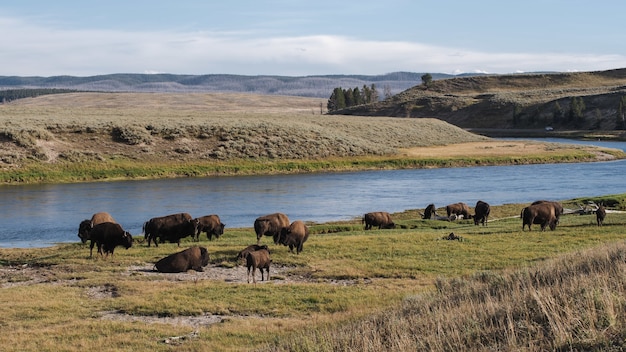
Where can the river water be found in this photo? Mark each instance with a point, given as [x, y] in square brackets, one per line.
[42, 215]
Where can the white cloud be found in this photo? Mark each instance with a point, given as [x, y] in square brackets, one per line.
[35, 50]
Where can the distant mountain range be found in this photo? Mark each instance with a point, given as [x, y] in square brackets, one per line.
[305, 86]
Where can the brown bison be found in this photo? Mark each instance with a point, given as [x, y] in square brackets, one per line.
[270, 225]
[542, 214]
[558, 208]
[107, 236]
[194, 258]
[258, 259]
[481, 213]
[458, 209]
[251, 248]
[86, 225]
[170, 228]
[294, 236]
[429, 212]
[210, 224]
[382, 219]
[600, 214]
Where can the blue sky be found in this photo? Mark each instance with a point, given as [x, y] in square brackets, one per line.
[301, 38]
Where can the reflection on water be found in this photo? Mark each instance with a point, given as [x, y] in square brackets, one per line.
[39, 215]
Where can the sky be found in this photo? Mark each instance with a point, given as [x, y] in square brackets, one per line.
[304, 38]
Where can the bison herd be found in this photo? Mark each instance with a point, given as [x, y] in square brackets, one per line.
[105, 233]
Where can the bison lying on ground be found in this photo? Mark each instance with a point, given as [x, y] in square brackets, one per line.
[382, 219]
[458, 209]
[541, 213]
[258, 259]
[107, 236]
[270, 225]
[86, 225]
[481, 213]
[294, 236]
[210, 224]
[170, 228]
[600, 214]
[191, 258]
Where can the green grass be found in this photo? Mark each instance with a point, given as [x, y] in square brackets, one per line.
[350, 274]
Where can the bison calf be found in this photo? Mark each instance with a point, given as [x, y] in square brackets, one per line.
[191, 258]
[258, 259]
[251, 248]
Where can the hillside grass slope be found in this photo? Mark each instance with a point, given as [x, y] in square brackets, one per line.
[512, 101]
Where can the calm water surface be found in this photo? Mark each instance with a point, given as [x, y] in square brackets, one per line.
[41, 215]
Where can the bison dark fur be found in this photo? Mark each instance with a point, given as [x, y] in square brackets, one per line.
[86, 225]
[458, 209]
[194, 258]
[541, 213]
[294, 236]
[107, 236]
[600, 214]
[558, 208]
[210, 224]
[270, 225]
[171, 228]
[481, 213]
[429, 212]
[258, 259]
[381, 219]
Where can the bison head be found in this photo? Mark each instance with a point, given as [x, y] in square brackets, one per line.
[84, 229]
[127, 240]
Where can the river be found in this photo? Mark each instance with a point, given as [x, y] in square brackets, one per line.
[42, 215]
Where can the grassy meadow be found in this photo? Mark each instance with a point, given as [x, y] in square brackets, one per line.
[405, 289]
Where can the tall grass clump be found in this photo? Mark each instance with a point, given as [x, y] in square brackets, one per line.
[573, 302]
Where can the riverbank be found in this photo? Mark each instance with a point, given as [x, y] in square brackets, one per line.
[83, 137]
[613, 135]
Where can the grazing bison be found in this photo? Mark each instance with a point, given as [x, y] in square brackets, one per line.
[251, 248]
[107, 236]
[481, 213]
[458, 209]
[294, 236]
[382, 219]
[258, 259]
[270, 225]
[170, 228]
[558, 208]
[210, 224]
[191, 258]
[429, 212]
[86, 225]
[600, 214]
[541, 213]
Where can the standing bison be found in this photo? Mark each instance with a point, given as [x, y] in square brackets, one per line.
[107, 236]
[429, 212]
[251, 248]
[543, 214]
[381, 219]
[86, 225]
[170, 228]
[481, 213]
[458, 209]
[270, 225]
[294, 236]
[259, 259]
[558, 208]
[600, 214]
[210, 224]
[194, 258]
